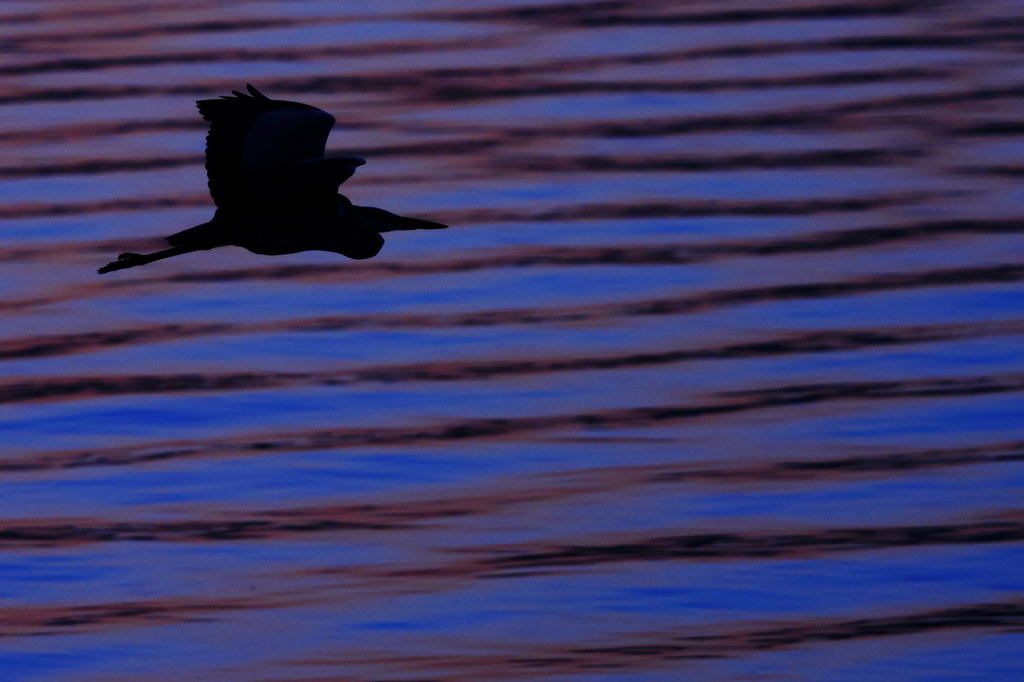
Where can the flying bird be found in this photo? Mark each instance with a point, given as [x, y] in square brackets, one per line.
[275, 191]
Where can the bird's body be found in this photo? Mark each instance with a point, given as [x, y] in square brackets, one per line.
[275, 191]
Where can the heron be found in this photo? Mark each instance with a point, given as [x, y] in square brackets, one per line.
[275, 191]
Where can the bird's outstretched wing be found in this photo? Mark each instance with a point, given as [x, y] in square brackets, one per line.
[253, 140]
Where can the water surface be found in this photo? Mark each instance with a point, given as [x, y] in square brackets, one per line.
[717, 374]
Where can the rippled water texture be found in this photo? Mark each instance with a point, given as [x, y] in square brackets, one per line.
[717, 374]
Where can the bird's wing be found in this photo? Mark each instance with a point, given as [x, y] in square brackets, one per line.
[251, 134]
[328, 171]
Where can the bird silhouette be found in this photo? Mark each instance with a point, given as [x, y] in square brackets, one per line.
[275, 191]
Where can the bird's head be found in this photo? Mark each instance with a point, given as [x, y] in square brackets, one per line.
[379, 220]
[353, 235]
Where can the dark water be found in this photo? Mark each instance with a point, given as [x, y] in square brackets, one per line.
[717, 375]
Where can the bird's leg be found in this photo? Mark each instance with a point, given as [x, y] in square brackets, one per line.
[130, 260]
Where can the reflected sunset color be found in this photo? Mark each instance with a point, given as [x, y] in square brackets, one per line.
[716, 375]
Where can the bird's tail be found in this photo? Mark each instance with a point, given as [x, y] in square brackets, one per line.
[204, 234]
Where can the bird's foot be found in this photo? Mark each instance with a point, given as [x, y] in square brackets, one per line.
[125, 260]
